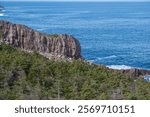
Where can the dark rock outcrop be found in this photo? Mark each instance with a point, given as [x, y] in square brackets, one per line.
[51, 46]
[133, 73]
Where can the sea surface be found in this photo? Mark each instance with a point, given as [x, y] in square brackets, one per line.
[114, 34]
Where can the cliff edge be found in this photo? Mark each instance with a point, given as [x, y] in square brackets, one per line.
[51, 46]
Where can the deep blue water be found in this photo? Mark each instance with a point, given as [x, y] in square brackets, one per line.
[113, 34]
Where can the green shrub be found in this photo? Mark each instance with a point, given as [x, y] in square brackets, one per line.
[39, 78]
[53, 35]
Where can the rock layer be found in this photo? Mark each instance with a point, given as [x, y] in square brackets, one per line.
[51, 46]
[136, 73]
[133, 73]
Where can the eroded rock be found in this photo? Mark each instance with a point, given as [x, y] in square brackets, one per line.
[51, 46]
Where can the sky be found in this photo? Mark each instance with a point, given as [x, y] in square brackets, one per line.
[81, 0]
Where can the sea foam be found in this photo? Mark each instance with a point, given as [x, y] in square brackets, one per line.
[107, 57]
[1, 14]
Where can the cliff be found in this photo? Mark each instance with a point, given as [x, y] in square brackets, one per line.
[51, 46]
[132, 73]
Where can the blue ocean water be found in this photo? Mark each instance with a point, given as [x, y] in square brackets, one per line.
[114, 34]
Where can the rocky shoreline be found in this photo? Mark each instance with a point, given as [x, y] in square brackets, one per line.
[136, 73]
[57, 46]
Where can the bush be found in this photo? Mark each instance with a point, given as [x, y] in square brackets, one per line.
[35, 77]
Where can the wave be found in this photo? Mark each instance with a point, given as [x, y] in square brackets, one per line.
[107, 57]
[91, 61]
[3, 10]
[41, 29]
[98, 59]
[119, 67]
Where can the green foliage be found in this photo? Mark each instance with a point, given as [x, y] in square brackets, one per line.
[53, 35]
[31, 76]
[1, 34]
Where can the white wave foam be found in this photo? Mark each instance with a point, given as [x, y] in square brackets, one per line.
[119, 67]
[1, 14]
[3, 10]
[41, 29]
[147, 78]
[107, 57]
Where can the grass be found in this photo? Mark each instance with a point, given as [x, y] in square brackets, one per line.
[53, 35]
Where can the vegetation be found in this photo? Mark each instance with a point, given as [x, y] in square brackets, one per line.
[31, 76]
[1, 34]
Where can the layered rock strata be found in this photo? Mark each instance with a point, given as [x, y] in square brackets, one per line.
[51, 46]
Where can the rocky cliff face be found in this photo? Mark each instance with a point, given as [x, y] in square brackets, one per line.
[51, 46]
[133, 73]
[136, 73]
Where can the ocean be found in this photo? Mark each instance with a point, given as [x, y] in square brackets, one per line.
[115, 34]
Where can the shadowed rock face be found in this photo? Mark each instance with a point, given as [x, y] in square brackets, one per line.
[133, 73]
[136, 73]
[51, 46]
